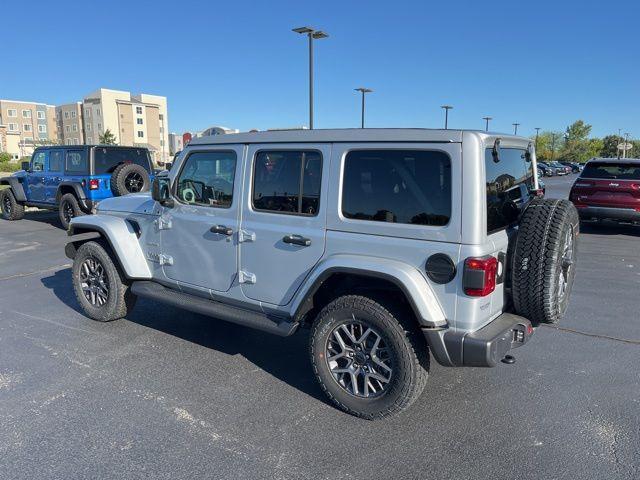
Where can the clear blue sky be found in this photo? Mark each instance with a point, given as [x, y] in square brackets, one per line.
[237, 63]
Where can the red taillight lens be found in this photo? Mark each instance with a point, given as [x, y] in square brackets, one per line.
[479, 278]
[635, 186]
[94, 184]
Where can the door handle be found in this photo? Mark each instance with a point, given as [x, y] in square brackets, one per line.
[221, 229]
[297, 240]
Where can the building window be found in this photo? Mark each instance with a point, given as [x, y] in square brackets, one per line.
[87, 112]
[66, 115]
[89, 140]
[99, 126]
[73, 114]
[75, 127]
[88, 127]
[28, 140]
[67, 128]
[139, 121]
[161, 117]
[13, 127]
[139, 110]
[26, 113]
[40, 115]
[42, 128]
[161, 129]
[140, 134]
[12, 113]
[27, 128]
[68, 141]
[98, 112]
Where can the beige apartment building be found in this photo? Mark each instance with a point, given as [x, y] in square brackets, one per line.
[135, 120]
[26, 125]
[70, 124]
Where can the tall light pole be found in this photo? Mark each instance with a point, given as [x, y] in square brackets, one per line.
[362, 90]
[486, 125]
[312, 34]
[626, 140]
[537, 129]
[553, 145]
[446, 115]
[515, 128]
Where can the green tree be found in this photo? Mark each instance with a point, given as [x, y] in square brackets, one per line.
[610, 146]
[548, 143]
[576, 146]
[107, 138]
[5, 157]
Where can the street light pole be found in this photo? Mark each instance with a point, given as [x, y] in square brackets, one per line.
[537, 129]
[486, 125]
[553, 144]
[446, 115]
[515, 128]
[311, 34]
[362, 90]
[626, 140]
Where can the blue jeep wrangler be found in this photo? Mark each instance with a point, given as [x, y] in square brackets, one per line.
[73, 179]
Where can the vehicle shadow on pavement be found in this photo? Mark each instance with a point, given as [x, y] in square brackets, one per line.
[287, 359]
[609, 229]
[44, 216]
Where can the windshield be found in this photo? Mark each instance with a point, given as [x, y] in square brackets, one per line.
[107, 159]
[619, 171]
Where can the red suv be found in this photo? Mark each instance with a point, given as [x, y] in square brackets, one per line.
[608, 188]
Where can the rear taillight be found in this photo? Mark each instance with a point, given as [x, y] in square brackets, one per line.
[539, 192]
[94, 184]
[635, 186]
[479, 278]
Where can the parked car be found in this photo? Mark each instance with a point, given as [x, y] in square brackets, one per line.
[547, 170]
[574, 166]
[73, 179]
[363, 236]
[608, 188]
[560, 168]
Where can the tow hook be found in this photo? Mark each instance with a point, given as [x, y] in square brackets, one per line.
[509, 359]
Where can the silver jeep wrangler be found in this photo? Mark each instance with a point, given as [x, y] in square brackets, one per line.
[387, 244]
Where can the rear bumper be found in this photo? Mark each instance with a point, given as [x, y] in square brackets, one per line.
[626, 214]
[484, 347]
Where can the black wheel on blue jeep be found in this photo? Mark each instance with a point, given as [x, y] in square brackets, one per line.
[68, 209]
[369, 361]
[544, 256]
[100, 286]
[11, 208]
[129, 178]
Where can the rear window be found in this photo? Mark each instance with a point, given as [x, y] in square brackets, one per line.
[107, 159]
[397, 186]
[76, 161]
[509, 181]
[618, 171]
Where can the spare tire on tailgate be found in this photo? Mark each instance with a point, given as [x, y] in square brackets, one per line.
[129, 178]
[543, 264]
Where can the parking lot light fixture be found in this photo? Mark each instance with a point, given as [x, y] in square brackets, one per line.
[363, 91]
[537, 129]
[486, 125]
[515, 128]
[312, 34]
[446, 115]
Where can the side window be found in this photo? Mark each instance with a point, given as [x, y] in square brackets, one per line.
[55, 160]
[37, 164]
[207, 179]
[287, 181]
[76, 162]
[508, 184]
[397, 186]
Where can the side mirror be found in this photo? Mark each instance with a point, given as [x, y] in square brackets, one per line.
[161, 191]
[25, 166]
[168, 165]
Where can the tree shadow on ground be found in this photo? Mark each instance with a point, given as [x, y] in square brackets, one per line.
[285, 358]
[609, 228]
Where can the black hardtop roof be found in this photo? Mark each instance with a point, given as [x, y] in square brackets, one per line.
[616, 161]
[86, 146]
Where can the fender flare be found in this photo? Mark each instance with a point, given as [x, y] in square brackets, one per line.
[78, 191]
[413, 284]
[16, 186]
[121, 237]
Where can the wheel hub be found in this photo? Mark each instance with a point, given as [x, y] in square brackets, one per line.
[359, 359]
[93, 282]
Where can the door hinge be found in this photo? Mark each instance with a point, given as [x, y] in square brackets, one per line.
[163, 224]
[246, 236]
[247, 277]
[165, 259]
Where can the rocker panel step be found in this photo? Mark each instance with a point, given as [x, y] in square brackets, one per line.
[211, 308]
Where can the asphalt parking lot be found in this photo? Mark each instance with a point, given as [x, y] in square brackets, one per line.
[168, 394]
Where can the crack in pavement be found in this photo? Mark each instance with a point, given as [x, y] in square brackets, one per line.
[594, 335]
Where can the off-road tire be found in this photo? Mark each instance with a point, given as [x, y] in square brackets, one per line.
[120, 298]
[539, 260]
[409, 352]
[68, 206]
[120, 183]
[15, 210]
